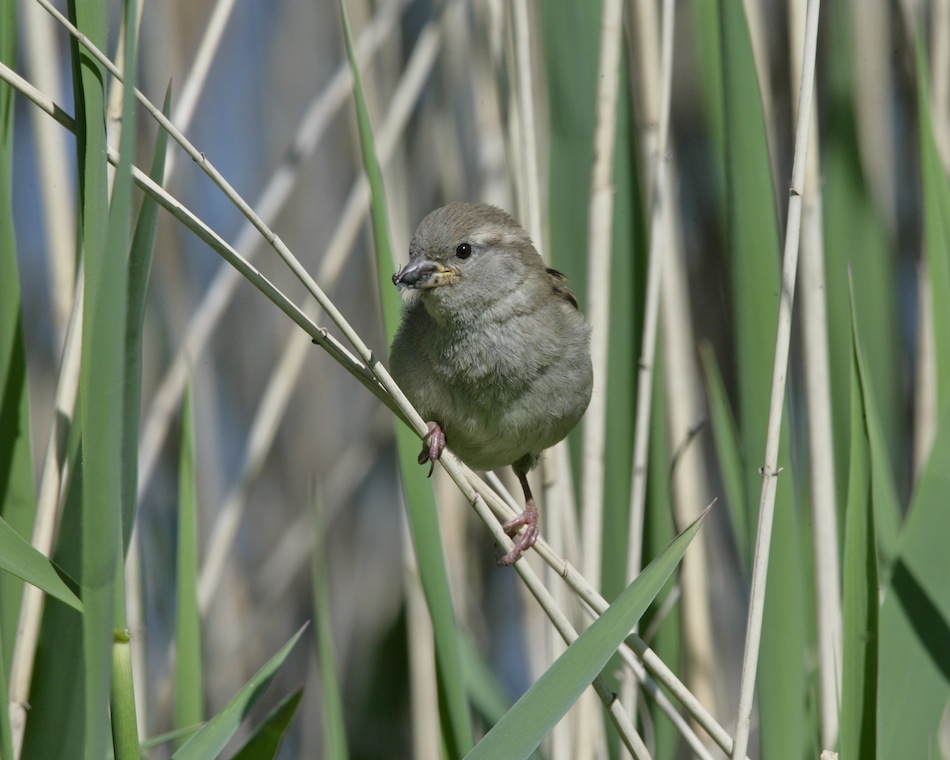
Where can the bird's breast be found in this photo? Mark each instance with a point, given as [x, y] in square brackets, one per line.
[502, 393]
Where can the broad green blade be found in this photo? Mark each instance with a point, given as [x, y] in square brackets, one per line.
[19, 558]
[125, 739]
[533, 716]
[17, 495]
[57, 687]
[265, 742]
[101, 379]
[571, 90]
[389, 296]
[455, 719]
[663, 632]
[754, 244]
[189, 681]
[217, 732]
[914, 680]
[860, 605]
[857, 240]
[485, 692]
[753, 240]
[140, 267]
[627, 282]
[729, 453]
[334, 725]
[17, 499]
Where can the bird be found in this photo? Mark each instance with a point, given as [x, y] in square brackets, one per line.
[491, 348]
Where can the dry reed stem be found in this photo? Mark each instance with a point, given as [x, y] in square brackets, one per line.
[43, 66]
[391, 395]
[277, 191]
[777, 400]
[463, 478]
[817, 380]
[198, 74]
[49, 506]
[660, 203]
[600, 228]
[873, 84]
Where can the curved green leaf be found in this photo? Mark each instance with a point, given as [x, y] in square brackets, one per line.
[217, 732]
[423, 518]
[860, 606]
[265, 742]
[533, 716]
[17, 556]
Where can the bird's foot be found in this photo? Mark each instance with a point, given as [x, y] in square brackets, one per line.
[528, 519]
[433, 443]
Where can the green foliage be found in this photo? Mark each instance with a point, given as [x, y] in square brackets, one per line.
[22, 560]
[217, 732]
[860, 580]
[423, 518]
[189, 667]
[488, 645]
[533, 716]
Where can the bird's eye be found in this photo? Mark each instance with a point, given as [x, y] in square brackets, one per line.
[463, 251]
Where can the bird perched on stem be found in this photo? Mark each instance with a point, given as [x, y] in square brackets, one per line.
[492, 349]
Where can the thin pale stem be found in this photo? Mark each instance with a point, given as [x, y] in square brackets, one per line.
[49, 503]
[817, 381]
[504, 507]
[198, 73]
[600, 226]
[777, 400]
[276, 193]
[41, 57]
[659, 241]
[528, 133]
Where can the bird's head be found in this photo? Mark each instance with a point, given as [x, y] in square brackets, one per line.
[463, 257]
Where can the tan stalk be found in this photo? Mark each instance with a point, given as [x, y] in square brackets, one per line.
[817, 380]
[873, 89]
[527, 123]
[378, 381]
[49, 505]
[277, 394]
[925, 397]
[777, 401]
[43, 64]
[599, 229]
[278, 190]
[645, 45]
[198, 70]
[685, 412]
[464, 478]
[660, 201]
[758, 34]
[504, 507]
[522, 147]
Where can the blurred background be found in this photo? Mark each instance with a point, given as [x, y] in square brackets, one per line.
[279, 425]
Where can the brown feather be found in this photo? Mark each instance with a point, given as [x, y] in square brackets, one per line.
[558, 281]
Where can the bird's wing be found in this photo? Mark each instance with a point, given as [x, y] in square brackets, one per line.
[558, 284]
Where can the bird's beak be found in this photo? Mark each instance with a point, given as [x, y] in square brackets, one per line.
[423, 274]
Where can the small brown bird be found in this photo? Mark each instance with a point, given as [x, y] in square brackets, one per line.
[492, 349]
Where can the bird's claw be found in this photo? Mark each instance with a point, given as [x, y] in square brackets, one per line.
[528, 519]
[433, 443]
